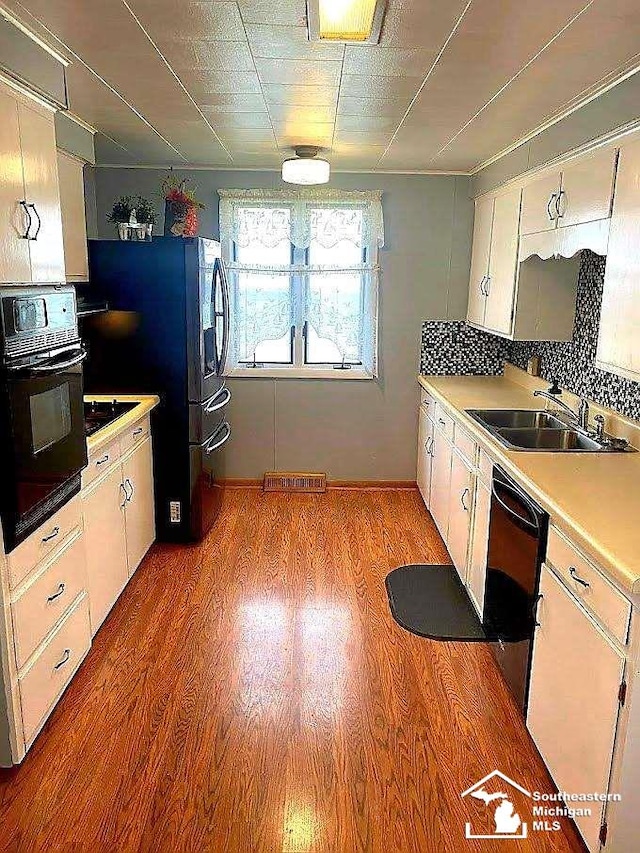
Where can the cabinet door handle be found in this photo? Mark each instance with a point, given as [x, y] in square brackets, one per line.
[64, 659]
[128, 482]
[61, 589]
[52, 535]
[574, 574]
[37, 215]
[138, 431]
[559, 213]
[126, 498]
[482, 281]
[462, 497]
[27, 233]
[104, 459]
[550, 204]
[534, 609]
[487, 286]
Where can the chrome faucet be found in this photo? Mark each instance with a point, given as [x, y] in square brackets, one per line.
[581, 417]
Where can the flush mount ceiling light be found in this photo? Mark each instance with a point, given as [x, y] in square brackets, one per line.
[306, 168]
[345, 20]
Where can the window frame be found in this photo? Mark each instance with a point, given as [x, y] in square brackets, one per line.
[300, 366]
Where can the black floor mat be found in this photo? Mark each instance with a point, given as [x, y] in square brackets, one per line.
[432, 602]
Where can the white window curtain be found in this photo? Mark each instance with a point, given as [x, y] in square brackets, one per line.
[303, 269]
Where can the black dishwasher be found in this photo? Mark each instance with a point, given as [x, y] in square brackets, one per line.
[517, 542]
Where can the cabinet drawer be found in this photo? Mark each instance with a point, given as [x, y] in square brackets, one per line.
[599, 596]
[46, 599]
[44, 541]
[465, 444]
[100, 460]
[444, 421]
[52, 670]
[134, 434]
[485, 466]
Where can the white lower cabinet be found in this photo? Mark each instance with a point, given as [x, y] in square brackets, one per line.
[461, 489]
[425, 440]
[118, 508]
[137, 472]
[479, 545]
[574, 698]
[107, 573]
[442, 452]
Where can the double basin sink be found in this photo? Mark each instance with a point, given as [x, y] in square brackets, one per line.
[523, 429]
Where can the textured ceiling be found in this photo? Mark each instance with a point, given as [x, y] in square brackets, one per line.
[237, 84]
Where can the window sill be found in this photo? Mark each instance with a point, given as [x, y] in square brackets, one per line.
[355, 373]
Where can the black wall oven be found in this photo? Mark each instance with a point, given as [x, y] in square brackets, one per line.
[42, 440]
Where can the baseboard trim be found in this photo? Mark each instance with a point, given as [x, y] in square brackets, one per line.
[378, 485]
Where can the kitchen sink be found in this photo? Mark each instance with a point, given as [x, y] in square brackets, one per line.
[548, 439]
[517, 419]
[530, 429]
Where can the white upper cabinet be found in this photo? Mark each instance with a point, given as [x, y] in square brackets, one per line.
[74, 222]
[581, 193]
[618, 342]
[14, 248]
[503, 263]
[31, 246]
[480, 260]
[529, 300]
[539, 200]
[587, 189]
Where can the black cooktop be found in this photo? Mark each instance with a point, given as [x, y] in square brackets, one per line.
[99, 414]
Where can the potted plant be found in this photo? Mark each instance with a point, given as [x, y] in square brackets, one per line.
[181, 208]
[121, 215]
[146, 215]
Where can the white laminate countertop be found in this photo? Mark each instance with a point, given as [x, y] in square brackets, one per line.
[146, 402]
[593, 497]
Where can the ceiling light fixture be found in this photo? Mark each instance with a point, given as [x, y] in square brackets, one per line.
[306, 168]
[357, 21]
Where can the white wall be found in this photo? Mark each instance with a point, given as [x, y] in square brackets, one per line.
[352, 430]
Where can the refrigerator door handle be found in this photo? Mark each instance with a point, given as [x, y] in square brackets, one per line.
[211, 444]
[218, 401]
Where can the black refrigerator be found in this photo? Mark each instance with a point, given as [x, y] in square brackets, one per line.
[166, 332]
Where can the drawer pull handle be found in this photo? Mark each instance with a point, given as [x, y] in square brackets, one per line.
[462, 497]
[574, 574]
[57, 594]
[64, 659]
[52, 535]
[441, 421]
[138, 431]
[104, 459]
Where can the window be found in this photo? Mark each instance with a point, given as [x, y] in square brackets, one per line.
[304, 280]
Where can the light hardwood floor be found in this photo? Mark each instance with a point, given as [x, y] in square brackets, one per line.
[254, 695]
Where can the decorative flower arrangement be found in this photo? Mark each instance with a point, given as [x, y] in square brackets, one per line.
[121, 210]
[145, 211]
[181, 208]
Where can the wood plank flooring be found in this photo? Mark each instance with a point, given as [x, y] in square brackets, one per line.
[254, 695]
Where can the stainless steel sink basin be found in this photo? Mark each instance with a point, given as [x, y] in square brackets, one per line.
[531, 429]
[559, 440]
[517, 419]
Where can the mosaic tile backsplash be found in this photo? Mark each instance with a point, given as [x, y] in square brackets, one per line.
[453, 348]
